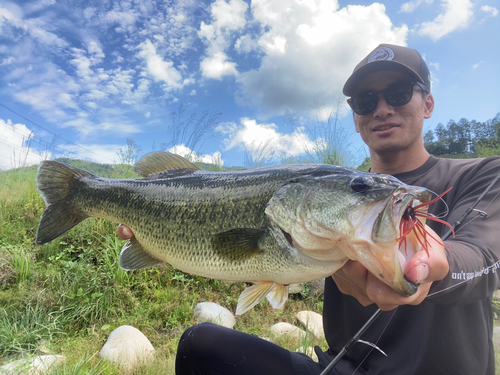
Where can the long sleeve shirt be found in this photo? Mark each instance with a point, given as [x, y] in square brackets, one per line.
[450, 332]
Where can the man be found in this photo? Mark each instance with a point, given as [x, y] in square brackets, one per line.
[446, 327]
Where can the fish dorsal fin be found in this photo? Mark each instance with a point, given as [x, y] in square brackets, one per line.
[238, 244]
[253, 295]
[162, 161]
[134, 257]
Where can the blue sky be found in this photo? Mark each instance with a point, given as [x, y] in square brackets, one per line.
[97, 75]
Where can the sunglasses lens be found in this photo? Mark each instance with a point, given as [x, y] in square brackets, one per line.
[395, 94]
[364, 103]
[398, 94]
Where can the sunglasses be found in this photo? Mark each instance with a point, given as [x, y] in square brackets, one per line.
[395, 94]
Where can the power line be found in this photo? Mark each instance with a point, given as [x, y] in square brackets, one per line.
[55, 135]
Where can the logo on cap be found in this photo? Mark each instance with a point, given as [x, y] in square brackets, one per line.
[381, 53]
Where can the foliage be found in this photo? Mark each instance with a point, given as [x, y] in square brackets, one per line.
[465, 138]
[366, 165]
[130, 153]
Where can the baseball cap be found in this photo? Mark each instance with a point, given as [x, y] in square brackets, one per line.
[389, 57]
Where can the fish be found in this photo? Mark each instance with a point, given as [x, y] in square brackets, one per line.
[270, 227]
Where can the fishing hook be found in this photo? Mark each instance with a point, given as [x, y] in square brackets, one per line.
[357, 336]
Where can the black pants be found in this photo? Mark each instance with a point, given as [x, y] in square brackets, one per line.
[209, 349]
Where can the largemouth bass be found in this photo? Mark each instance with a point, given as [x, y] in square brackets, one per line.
[270, 226]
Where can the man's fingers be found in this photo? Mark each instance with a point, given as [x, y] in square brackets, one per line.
[124, 233]
[423, 268]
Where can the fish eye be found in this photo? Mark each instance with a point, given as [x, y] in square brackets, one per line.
[361, 184]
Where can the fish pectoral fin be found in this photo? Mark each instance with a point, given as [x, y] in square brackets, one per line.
[278, 295]
[238, 244]
[163, 161]
[134, 257]
[253, 295]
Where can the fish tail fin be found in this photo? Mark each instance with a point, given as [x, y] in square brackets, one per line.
[55, 182]
[277, 294]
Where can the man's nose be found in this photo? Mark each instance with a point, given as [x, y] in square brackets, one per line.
[383, 109]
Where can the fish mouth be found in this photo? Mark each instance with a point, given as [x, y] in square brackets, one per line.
[387, 231]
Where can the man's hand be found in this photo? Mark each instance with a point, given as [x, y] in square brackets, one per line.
[354, 279]
[124, 233]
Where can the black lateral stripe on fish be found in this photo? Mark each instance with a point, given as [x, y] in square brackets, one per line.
[269, 226]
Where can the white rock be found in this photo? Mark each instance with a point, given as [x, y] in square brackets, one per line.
[295, 288]
[316, 287]
[127, 347]
[212, 312]
[313, 322]
[32, 366]
[288, 330]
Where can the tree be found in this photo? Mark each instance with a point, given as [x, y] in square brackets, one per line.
[465, 138]
[131, 153]
[429, 137]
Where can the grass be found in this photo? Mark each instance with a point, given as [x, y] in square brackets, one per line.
[66, 297]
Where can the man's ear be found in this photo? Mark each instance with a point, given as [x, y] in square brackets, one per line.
[428, 106]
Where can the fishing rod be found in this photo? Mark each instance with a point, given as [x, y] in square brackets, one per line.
[356, 338]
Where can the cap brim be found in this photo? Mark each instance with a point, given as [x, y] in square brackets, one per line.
[375, 66]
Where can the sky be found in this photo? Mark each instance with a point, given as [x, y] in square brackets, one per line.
[80, 78]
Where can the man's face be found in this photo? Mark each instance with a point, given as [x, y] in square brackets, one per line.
[392, 129]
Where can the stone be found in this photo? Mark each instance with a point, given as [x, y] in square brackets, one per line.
[316, 287]
[212, 312]
[295, 288]
[32, 366]
[289, 331]
[313, 322]
[127, 347]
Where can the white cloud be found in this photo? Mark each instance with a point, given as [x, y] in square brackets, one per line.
[489, 9]
[7, 60]
[475, 66]
[34, 27]
[160, 69]
[455, 15]
[99, 153]
[15, 150]
[182, 150]
[227, 18]
[217, 66]
[435, 65]
[309, 51]
[264, 141]
[410, 6]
